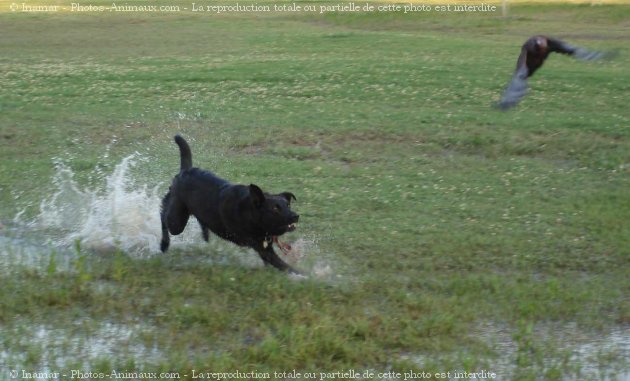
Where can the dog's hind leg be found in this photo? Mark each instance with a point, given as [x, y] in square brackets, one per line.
[205, 232]
[174, 219]
[269, 257]
[166, 239]
[177, 218]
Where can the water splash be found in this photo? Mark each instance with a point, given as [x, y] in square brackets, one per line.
[305, 254]
[124, 214]
[121, 216]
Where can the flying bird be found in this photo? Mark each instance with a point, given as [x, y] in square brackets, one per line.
[533, 53]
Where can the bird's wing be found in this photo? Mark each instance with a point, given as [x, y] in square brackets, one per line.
[517, 87]
[562, 47]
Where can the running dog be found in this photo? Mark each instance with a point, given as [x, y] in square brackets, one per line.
[242, 214]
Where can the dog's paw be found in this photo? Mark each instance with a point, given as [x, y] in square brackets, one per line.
[164, 245]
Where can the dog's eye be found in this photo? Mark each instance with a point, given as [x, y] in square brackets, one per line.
[276, 208]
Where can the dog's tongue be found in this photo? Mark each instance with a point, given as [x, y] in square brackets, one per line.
[284, 247]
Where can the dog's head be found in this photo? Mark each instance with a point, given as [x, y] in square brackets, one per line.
[274, 211]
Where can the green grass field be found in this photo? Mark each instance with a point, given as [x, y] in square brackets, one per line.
[455, 237]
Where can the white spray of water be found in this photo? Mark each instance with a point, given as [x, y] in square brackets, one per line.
[121, 216]
[305, 253]
[125, 215]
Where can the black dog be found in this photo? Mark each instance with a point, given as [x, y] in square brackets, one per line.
[242, 214]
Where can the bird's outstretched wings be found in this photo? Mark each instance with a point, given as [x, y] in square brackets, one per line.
[559, 46]
[517, 88]
[533, 54]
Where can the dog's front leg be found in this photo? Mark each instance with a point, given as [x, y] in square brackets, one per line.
[269, 257]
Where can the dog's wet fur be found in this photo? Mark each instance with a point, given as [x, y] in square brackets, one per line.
[242, 214]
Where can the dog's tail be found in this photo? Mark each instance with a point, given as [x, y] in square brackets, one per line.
[184, 153]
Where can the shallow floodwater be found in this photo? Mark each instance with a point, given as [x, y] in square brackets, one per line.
[597, 356]
[123, 214]
[120, 215]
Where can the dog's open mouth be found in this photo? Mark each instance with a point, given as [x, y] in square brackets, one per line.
[285, 248]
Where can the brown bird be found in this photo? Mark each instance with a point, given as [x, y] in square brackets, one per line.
[533, 53]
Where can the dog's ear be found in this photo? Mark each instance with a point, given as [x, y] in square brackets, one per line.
[288, 196]
[258, 197]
